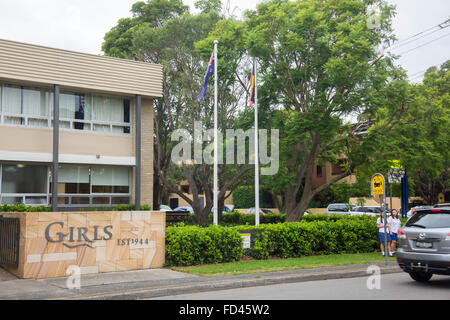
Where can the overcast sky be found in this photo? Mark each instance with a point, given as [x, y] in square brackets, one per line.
[81, 25]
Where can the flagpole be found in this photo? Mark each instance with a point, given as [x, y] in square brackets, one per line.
[216, 143]
[256, 150]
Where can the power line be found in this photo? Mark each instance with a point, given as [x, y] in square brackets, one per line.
[410, 41]
[426, 43]
[422, 34]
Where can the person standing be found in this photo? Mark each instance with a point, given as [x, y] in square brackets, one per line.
[381, 235]
[395, 224]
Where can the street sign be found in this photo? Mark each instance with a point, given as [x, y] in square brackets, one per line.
[395, 164]
[441, 198]
[377, 184]
[395, 175]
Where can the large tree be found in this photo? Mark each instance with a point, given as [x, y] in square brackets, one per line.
[174, 41]
[420, 142]
[319, 64]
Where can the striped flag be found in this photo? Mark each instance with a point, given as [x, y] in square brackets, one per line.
[209, 72]
[252, 87]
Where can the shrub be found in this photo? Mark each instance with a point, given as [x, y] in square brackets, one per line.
[130, 207]
[191, 245]
[296, 239]
[20, 207]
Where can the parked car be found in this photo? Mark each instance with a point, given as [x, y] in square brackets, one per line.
[424, 244]
[184, 209]
[230, 207]
[163, 207]
[339, 208]
[441, 205]
[366, 210]
[261, 211]
[409, 213]
[224, 210]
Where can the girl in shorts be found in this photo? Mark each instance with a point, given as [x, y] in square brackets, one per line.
[381, 235]
[395, 224]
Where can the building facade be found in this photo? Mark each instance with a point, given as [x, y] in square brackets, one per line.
[81, 122]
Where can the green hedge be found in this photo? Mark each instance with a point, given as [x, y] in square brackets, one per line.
[296, 239]
[191, 245]
[18, 207]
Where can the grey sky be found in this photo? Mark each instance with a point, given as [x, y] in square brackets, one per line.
[81, 25]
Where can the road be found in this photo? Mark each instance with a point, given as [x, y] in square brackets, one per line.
[396, 286]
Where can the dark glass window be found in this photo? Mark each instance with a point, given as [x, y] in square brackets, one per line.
[126, 114]
[21, 178]
[80, 104]
[319, 171]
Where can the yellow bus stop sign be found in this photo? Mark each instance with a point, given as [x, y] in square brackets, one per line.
[377, 184]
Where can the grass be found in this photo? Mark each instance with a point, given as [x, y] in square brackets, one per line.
[276, 264]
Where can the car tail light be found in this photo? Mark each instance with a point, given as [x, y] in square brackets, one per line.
[401, 234]
[435, 210]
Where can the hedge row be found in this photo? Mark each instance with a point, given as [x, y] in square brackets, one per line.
[20, 207]
[191, 245]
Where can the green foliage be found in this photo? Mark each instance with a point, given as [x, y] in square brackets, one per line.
[296, 239]
[316, 234]
[130, 207]
[19, 207]
[192, 245]
[341, 193]
[237, 218]
[244, 197]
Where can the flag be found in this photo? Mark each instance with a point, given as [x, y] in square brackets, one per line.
[252, 87]
[209, 72]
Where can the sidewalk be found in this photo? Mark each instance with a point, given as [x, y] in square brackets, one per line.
[163, 282]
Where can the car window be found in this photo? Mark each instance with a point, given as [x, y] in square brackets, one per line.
[429, 219]
[339, 208]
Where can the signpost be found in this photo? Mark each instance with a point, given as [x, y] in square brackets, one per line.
[377, 187]
[395, 175]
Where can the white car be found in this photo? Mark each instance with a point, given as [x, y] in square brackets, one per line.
[366, 210]
[339, 208]
[184, 209]
[163, 207]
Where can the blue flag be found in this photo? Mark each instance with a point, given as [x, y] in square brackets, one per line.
[209, 72]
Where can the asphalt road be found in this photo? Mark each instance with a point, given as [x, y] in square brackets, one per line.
[397, 286]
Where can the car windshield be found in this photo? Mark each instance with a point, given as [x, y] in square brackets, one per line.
[338, 208]
[430, 219]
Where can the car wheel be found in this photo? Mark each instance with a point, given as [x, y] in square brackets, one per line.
[420, 276]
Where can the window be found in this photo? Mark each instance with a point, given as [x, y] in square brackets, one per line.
[429, 219]
[73, 179]
[28, 106]
[319, 171]
[337, 167]
[21, 178]
[185, 189]
[110, 180]
[25, 106]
